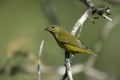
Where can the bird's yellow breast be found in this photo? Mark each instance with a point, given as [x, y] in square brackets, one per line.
[58, 41]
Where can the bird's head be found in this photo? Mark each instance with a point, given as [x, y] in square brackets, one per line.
[52, 29]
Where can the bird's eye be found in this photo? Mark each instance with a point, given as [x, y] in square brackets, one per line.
[53, 27]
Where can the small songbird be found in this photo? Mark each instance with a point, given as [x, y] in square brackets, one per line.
[67, 41]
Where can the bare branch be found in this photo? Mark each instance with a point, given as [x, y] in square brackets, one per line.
[106, 17]
[41, 47]
[103, 12]
[78, 26]
[68, 67]
[40, 52]
[68, 72]
[79, 23]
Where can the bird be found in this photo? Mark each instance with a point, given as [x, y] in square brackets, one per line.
[68, 41]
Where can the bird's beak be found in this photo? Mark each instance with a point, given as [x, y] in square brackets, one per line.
[46, 29]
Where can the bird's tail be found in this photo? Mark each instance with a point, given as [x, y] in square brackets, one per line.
[89, 51]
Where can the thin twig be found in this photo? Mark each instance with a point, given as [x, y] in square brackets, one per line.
[40, 52]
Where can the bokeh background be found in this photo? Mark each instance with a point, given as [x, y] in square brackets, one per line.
[22, 24]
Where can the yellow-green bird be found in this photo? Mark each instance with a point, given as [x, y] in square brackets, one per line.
[67, 41]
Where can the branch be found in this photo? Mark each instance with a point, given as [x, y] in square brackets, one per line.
[68, 72]
[87, 68]
[40, 52]
[103, 12]
[90, 71]
[78, 25]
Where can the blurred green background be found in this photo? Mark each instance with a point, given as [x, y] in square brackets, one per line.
[23, 21]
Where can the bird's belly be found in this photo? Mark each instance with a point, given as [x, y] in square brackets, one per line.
[73, 49]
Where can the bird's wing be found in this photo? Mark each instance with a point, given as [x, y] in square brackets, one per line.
[71, 40]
